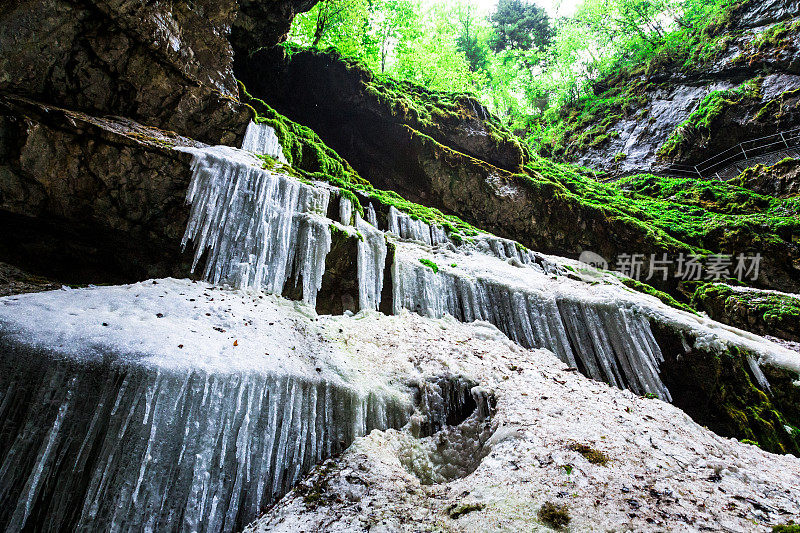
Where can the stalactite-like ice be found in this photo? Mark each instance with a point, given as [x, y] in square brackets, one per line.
[606, 340]
[260, 229]
[115, 427]
[372, 217]
[345, 210]
[371, 263]
[406, 227]
[261, 139]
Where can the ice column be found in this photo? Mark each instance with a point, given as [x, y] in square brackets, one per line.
[110, 447]
[259, 229]
[371, 263]
[406, 227]
[345, 210]
[372, 217]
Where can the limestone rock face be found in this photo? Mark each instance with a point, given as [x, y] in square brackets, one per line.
[167, 65]
[89, 200]
[759, 47]
[378, 127]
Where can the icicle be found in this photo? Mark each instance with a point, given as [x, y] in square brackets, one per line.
[406, 227]
[166, 451]
[259, 228]
[262, 140]
[371, 262]
[758, 374]
[606, 341]
[372, 217]
[345, 210]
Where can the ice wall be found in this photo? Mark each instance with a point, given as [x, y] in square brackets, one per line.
[107, 423]
[256, 229]
[262, 140]
[606, 339]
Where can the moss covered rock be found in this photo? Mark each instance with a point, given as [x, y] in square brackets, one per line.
[765, 312]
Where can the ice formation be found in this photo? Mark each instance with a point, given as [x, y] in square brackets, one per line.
[664, 471]
[262, 140]
[371, 264]
[406, 227]
[260, 229]
[105, 426]
[345, 210]
[607, 340]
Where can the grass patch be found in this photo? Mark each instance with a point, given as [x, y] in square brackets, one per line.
[554, 515]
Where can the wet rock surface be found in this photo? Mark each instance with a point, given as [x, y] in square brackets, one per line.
[166, 65]
[376, 126]
[670, 94]
[88, 200]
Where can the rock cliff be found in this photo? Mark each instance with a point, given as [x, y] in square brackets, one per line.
[740, 83]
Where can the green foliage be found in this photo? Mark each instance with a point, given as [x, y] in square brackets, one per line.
[682, 214]
[603, 53]
[776, 36]
[430, 264]
[303, 148]
[519, 25]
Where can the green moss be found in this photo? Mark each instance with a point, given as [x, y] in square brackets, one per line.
[768, 312]
[776, 36]
[457, 510]
[422, 109]
[350, 195]
[596, 457]
[718, 390]
[786, 528]
[554, 515]
[430, 264]
[303, 148]
[648, 289]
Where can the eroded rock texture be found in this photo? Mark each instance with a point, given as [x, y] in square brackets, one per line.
[753, 75]
[89, 200]
[165, 64]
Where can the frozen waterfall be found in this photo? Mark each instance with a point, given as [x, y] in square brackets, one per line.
[371, 264]
[109, 427]
[606, 340]
[260, 229]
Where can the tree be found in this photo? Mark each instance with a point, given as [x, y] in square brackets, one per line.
[333, 23]
[468, 41]
[521, 26]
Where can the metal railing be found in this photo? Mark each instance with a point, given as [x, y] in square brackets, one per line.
[729, 163]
